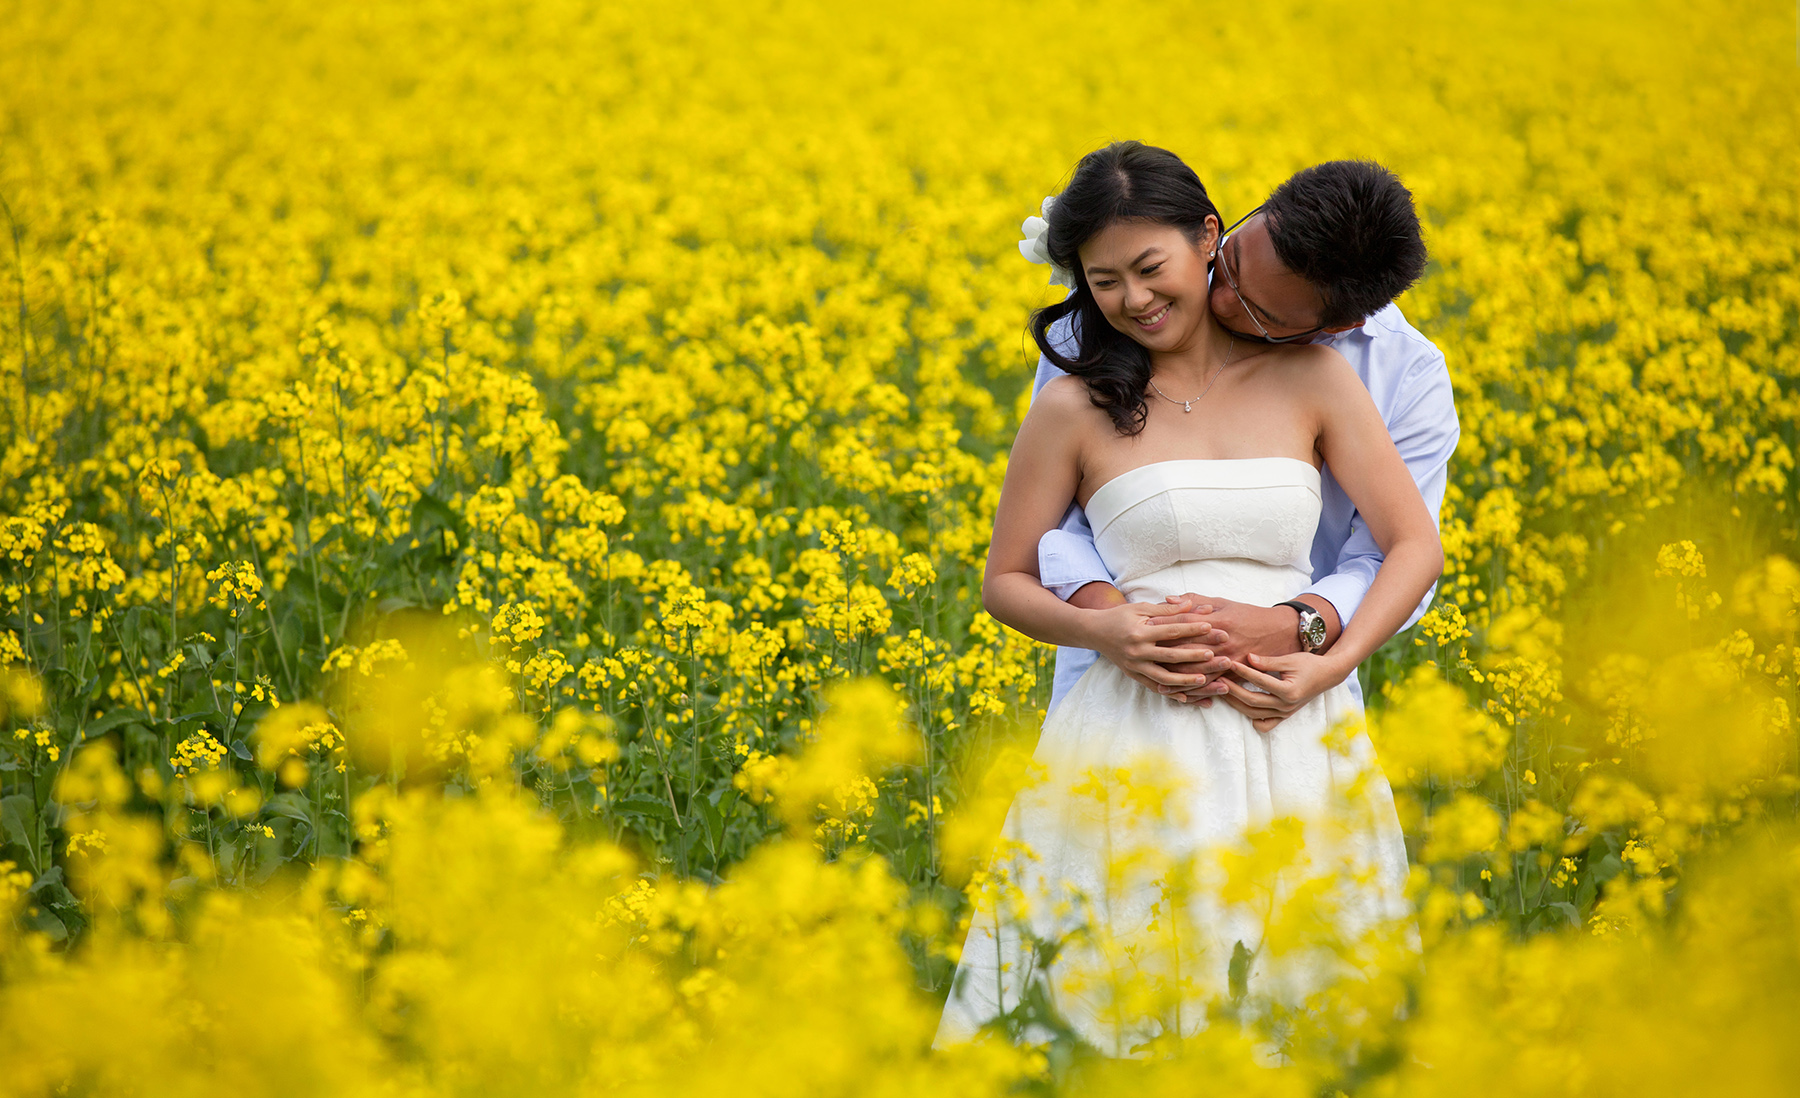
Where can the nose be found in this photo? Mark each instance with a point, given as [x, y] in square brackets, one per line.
[1138, 297]
[1224, 302]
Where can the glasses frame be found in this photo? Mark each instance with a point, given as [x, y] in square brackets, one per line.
[1249, 309]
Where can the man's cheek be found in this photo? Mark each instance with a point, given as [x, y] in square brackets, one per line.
[1223, 306]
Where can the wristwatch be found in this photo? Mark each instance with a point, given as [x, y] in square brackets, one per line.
[1312, 626]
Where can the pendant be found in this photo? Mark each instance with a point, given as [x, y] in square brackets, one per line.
[1187, 405]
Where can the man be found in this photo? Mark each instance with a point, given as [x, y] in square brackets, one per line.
[1320, 261]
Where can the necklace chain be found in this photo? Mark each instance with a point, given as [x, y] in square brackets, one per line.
[1188, 405]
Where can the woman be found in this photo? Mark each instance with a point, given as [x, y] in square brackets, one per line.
[1197, 460]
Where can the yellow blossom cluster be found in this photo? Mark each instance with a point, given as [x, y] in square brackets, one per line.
[492, 501]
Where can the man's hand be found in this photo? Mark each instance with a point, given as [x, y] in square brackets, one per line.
[1263, 630]
[1286, 684]
[1268, 630]
[1134, 635]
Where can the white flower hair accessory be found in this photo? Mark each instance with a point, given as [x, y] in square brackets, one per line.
[1034, 248]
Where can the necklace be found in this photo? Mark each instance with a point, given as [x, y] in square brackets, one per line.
[1188, 405]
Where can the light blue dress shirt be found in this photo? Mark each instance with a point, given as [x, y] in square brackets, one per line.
[1406, 375]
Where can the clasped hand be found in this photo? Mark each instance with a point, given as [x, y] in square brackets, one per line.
[1167, 647]
[1197, 650]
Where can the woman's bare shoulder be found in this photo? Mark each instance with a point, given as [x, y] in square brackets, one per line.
[1322, 369]
[1310, 356]
[1065, 401]
[1063, 415]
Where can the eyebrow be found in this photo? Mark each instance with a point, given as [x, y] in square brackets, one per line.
[1268, 317]
[1140, 258]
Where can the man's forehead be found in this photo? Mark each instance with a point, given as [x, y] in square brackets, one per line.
[1255, 244]
[1267, 282]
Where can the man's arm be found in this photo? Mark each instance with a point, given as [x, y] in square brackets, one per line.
[1425, 431]
[1067, 557]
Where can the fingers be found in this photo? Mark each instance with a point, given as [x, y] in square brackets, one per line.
[1190, 661]
[1207, 689]
[1159, 609]
[1274, 664]
[1260, 719]
[1185, 652]
[1272, 683]
[1163, 631]
[1212, 668]
[1211, 639]
[1162, 676]
[1252, 703]
[1141, 680]
[1193, 598]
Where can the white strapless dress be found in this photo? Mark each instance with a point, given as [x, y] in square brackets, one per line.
[1090, 869]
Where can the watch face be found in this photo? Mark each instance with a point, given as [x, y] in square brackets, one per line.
[1314, 630]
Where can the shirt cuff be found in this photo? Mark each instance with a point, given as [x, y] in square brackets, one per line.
[1066, 591]
[1344, 593]
[1067, 561]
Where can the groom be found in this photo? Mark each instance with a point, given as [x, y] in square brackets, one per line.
[1320, 261]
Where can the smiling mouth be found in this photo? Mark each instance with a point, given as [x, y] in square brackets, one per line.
[1155, 318]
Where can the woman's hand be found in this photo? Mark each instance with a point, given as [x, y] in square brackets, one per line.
[1290, 681]
[1134, 637]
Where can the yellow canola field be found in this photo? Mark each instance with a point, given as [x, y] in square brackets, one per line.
[453, 450]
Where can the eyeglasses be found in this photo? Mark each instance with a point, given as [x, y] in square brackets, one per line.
[1249, 309]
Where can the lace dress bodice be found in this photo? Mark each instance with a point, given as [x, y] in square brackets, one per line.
[1240, 529]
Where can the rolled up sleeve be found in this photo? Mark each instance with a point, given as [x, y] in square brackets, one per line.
[1067, 557]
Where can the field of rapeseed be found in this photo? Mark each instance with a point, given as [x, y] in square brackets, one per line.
[492, 501]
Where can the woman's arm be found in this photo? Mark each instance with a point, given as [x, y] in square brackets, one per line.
[1355, 444]
[1042, 476]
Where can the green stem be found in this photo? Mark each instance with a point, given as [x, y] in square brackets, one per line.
[274, 629]
[312, 556]
[174, 620]
[24, 323]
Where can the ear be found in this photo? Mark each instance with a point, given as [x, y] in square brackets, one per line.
[1209, 238]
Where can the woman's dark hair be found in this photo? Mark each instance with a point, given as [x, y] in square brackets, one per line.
[1125, 181]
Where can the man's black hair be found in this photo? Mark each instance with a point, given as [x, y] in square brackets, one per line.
[1349, 228]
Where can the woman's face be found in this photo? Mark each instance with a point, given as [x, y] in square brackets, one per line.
[1150, 282]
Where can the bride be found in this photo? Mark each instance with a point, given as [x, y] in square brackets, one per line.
[1197, 459]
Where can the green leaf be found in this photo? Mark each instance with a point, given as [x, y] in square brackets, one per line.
[715, 823]
[728, 803]
[430, 506]
[1607, 868]
[49, 924]
[115, 719]
[49, 889]
[291, 805]
[211, 717]
[1238, 972]
[18, 820]
[646, 806]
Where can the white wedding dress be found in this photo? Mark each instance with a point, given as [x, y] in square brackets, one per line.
[1079, 861]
